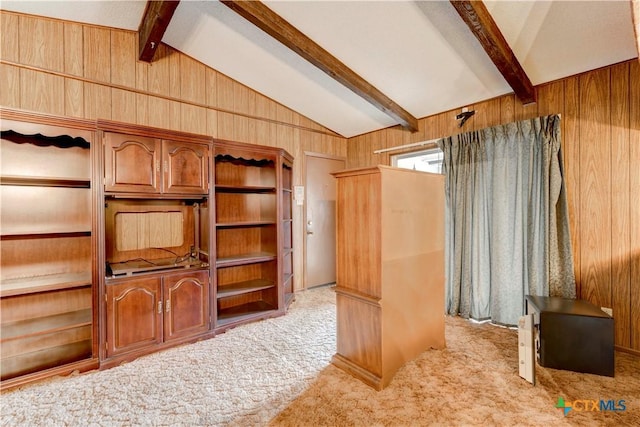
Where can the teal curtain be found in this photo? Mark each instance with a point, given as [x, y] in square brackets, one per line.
[507, 226]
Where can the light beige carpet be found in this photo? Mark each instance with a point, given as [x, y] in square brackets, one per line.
[244, 377]
[278, 372]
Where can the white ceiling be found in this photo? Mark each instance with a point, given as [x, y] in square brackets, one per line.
[419, 53]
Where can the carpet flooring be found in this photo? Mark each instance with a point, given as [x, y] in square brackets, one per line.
[277, 372]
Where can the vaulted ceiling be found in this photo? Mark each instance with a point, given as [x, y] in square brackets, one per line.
[409, 59]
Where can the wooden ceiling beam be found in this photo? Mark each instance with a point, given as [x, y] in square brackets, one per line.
[278, 28]
[155, 21]
[475, 14]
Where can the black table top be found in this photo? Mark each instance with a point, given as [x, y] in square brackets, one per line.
[575, 307]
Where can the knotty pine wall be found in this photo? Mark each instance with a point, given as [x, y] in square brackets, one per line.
[601, 148]
[71, 69]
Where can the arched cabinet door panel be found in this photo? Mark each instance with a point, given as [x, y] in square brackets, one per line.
[186, 304]
[134, 315]
[185, 167]
[132, 163]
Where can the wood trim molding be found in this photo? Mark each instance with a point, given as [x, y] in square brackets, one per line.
[479, 20]
[635, 13]
[169, 98]
[156, 18]
[278, 28]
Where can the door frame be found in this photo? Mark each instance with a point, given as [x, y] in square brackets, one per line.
[308, 154]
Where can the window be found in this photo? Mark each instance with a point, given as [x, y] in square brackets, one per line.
[429, 160]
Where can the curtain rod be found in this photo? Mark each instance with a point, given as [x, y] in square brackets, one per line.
[400, 147]
[422, 143]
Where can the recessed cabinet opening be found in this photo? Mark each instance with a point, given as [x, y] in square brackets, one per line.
[247, 230]
[143, 236]
[46, 253]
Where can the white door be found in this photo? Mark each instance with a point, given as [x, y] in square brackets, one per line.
[320, 219]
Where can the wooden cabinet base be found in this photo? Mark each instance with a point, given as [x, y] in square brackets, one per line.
[82, 366]
[363, 375]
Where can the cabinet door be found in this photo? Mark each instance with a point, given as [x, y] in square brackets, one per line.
[134, 315]
[132, 163]
[185, 167]
[186, 303]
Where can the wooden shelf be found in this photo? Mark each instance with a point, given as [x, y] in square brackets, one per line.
[41, 181]
[243, 312]
[53, 282]
[287, 277]
[46, 325]
[249, 258]
[244, 287]
[221, 188]
[43, 234]
[47, 358]
[237, 224]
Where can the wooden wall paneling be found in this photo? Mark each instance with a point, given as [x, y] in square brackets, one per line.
[160, 109]
[193, 80]
[448, 124]
[487, 114]
[212, 123]
[9, 50]
[285, 133]
[261, 107]
[378, 140]
[41, 92]
[225, 126]
[570, 124]
[73, 64]
[73, 98]
[507, 109]
[224, 101]
[551, 98]
[97, 101]
[159, 71]
[10, 84]
[252, 123]
[123, 106]
[211, 77]
[411, 137]
[174, 73]
[595, 187]
[97, 53]
[241, 105]
[432, 128]
[193, 119]
[634, 201]
[123, 58]
[620, 227]
[41, 43]
[143, 111]
[523, 112]
[73, 49]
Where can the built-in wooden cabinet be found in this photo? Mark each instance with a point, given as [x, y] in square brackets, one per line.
[147, 239]
[286, 200]
[47, 250]
[146, 311]
[246, 232]
[139, 164]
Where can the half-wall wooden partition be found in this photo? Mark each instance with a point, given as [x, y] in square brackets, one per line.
[600, 113]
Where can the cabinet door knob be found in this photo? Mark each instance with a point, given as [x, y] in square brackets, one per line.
[159, 307]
